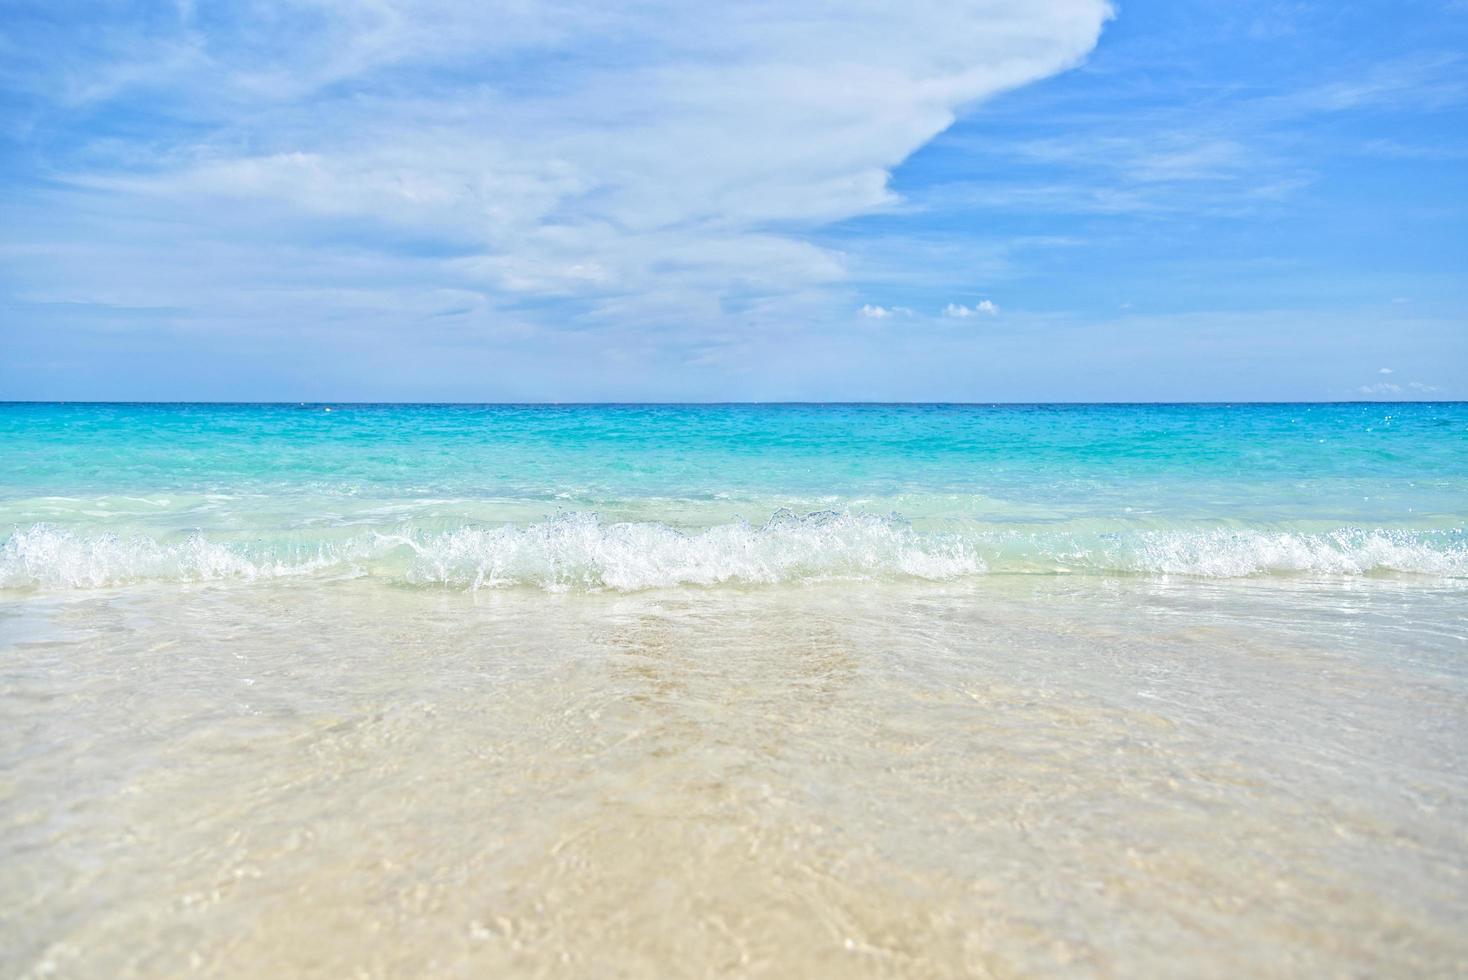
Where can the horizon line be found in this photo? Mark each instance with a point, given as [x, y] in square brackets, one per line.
[709, 404]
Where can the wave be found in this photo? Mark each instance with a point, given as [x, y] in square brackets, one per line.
[570, 552]
[51, 557]
[1347, 551]
[581, 552]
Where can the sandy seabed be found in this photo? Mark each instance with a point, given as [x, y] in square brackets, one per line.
[1013, 776]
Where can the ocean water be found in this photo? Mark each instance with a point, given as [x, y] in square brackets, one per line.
[629, 497]
[993, 691]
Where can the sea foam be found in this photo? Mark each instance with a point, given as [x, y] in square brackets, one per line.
[1346, 551]
[582, 552]
[47, 556]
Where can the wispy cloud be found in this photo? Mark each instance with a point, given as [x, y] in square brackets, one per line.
[1209, 148]
[1387, 389]
[663, 163]
[1424, 81]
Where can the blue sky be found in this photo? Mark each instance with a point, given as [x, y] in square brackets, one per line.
[977, 201]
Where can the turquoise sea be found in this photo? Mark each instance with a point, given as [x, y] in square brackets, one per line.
[625, 497]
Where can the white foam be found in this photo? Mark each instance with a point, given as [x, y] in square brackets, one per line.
[582, 552]
[578, 551]
[50, 557]
[1348, 551]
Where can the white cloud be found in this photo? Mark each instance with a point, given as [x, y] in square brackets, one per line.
[664, 162]
[983, 307]
[873, 312]
[1385, 371]
[1425, 389]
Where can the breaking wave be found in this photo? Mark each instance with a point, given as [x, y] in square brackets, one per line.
[50, 557]
[581, 552]
[1348, 551]
[571, 552]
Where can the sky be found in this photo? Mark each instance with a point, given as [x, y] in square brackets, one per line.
[938, 200]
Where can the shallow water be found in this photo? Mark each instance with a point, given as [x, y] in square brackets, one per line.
[734, 690]
[1001, 777]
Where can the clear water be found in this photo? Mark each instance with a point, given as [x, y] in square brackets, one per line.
[629, 497]
[734, 690]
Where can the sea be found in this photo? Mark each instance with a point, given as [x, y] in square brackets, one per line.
[744, 689]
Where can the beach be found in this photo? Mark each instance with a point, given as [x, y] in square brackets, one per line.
[734, 690]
